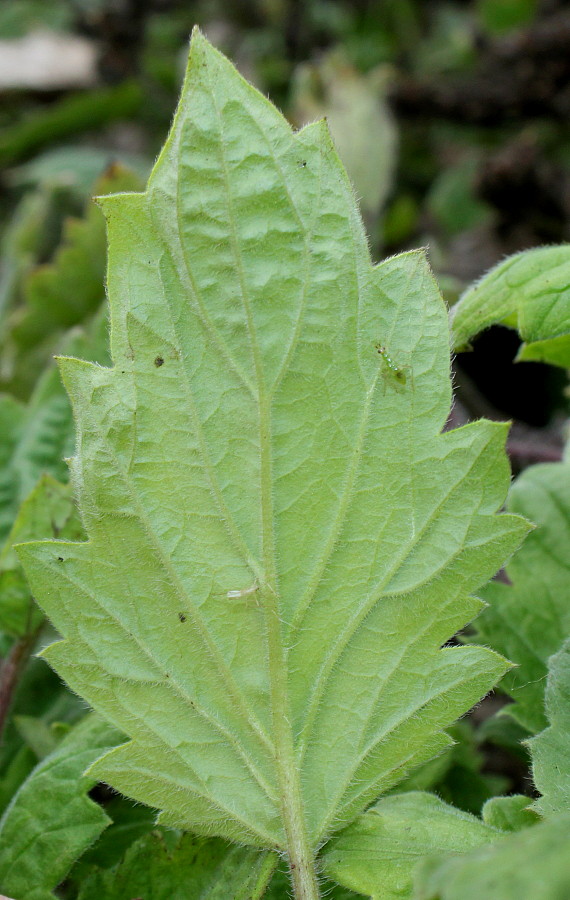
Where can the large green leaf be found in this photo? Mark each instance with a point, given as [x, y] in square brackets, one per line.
[192, 869]
[533, 863]
[528, 620]
[528, 291]
[51, 820]
[377, 855]
[551, 749]
[280, 537]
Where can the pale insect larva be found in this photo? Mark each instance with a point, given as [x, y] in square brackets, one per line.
[233, 595]
[396, 371]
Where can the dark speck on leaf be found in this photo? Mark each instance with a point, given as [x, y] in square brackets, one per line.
[182, 617]
[159, 362]
[60, 558]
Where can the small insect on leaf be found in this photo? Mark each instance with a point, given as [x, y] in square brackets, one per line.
[398, 372]
[244, 592]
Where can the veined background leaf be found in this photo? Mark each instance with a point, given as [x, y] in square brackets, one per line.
[170, 867]
[551, 749]
[280, 537]
[377, 855]
[51, 820]
[530, 291]
[528, 620]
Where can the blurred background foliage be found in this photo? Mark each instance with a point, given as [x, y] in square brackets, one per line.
[453, 120]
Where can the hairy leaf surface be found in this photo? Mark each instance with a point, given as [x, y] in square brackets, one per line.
[528, 620]
[528, 291]
[280, 538]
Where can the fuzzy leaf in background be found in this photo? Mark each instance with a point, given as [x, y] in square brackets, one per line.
[528, 620]
[36, 437]
[51, 820]
[280, 537]
[551, 749]
[511, 813]
[529, 291]
[62, 293]
[377, 855]
[532, 863]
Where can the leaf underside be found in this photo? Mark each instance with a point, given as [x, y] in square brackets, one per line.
[280, 538]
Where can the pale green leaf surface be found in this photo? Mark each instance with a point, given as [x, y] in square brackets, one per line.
[551, 749]
[529, 291]
[378, 853]
[194, 869]
[280, 538]
[48, 509]
[51, 820]
[528, 620]
[533, 863]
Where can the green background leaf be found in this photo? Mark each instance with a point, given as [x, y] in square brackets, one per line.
[528, 620]
[51, 820]
[377, 855]
[551, 749]
[48, 509]
[531, 863]
[530, 291]
[164, 867]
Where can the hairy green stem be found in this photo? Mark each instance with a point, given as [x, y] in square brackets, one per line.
[301, 858]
